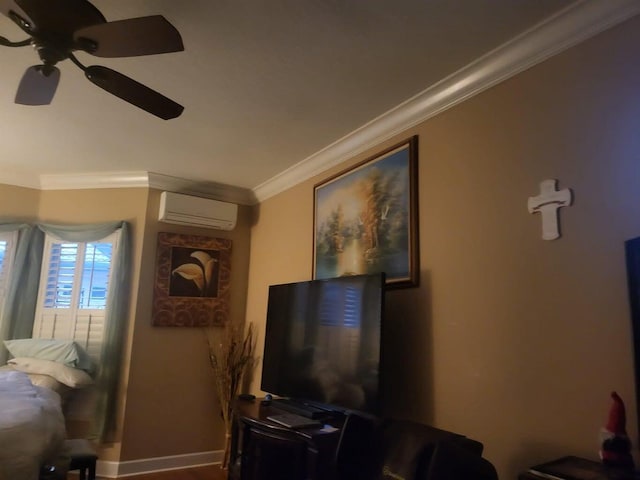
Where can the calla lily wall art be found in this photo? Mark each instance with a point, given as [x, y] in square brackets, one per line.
[192, 280]
[195, 278]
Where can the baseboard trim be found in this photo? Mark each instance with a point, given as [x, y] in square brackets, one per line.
[157, 464]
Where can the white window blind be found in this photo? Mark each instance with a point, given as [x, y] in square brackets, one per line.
[340, 312]
[74, 288]
[340, 306]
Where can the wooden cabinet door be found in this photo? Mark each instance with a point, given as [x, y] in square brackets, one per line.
[270, 455]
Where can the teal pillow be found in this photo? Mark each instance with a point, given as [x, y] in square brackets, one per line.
[67, 352]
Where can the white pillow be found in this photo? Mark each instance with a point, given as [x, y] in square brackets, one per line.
[63, 351]
[49, 382]
[72, 377]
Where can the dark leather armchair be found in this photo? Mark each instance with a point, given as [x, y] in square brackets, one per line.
[403, 450]
[451, 461]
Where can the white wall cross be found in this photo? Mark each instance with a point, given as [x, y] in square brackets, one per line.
[548, 203]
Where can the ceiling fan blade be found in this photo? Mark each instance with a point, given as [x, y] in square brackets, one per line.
[7, 5]
[130, 38]
[59, 18]
[16, 13]
[133, 92]
[38, 85]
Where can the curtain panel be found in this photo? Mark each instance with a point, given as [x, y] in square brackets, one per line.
[18, 313]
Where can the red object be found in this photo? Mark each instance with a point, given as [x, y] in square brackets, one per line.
[617, 416]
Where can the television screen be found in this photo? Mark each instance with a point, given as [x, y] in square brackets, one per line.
[322, 341]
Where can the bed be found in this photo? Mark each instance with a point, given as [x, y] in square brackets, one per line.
[33, 392]
[31, 426]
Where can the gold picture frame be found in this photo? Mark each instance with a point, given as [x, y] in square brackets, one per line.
[191, 287]
[366, 218]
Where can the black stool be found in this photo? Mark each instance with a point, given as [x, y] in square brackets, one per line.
[82, 457]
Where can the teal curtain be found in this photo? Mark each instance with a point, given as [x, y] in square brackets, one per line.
[115, 315]
[18, 313]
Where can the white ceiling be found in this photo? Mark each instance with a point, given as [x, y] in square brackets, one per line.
[265, 84]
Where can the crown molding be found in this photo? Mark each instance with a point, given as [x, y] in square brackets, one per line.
[81, 181]
[570, 26]
[20, 180]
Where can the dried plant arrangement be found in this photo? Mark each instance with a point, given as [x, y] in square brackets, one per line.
[231, 351]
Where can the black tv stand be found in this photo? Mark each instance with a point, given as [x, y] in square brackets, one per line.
[300, 407]
[264, 450]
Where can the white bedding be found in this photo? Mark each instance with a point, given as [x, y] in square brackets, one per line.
[31, 426]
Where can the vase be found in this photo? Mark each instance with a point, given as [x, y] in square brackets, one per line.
[227, 451]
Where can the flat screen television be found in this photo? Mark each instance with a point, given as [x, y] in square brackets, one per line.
[323, 342]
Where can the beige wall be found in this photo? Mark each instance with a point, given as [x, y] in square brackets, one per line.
[167, 405]
[509, 339]
[103, 205]
[171, 407]
[18, 203]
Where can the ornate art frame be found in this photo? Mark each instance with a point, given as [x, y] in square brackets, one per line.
[366, 218]
[191, 287]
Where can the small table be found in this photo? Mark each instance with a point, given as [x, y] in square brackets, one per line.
[576, 468]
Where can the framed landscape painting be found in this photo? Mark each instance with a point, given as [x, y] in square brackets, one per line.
[366, 218]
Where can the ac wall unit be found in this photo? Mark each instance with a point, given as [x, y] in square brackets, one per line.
[196, 211]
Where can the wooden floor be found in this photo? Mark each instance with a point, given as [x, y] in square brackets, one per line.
[212, 472]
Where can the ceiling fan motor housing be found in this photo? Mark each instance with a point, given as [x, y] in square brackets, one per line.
[49, 53]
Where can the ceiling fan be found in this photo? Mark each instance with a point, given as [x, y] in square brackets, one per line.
[57, 28]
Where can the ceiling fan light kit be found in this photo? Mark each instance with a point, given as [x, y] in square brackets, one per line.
[57, 28]
[38, 85]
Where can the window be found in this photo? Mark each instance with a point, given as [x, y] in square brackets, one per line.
[74, 288]
[7, 253]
